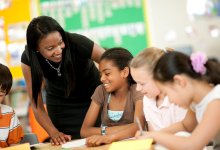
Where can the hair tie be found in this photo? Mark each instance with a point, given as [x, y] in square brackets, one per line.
[198, 61]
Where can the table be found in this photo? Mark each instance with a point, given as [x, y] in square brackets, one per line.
[48, 146]
[129, 143]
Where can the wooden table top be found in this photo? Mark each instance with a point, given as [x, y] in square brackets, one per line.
[48, 146]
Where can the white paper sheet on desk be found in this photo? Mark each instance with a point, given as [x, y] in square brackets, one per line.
[75, 143]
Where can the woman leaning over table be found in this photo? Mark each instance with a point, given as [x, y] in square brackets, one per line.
[65, 61]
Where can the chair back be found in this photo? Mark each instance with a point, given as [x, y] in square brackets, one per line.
[30, 138]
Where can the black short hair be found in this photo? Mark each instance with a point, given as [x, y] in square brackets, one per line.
[5, 78]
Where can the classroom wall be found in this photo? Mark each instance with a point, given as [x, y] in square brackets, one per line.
[109, 23]
[170, 15]
[13, 23]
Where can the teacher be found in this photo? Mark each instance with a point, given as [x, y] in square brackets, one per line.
[64, 61]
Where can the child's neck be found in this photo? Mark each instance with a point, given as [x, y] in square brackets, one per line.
[159, 99]
[122, 92]
[200, 93]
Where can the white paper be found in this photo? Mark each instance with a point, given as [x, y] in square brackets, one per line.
[75, 143]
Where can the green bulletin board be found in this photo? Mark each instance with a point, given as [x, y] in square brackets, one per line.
[110, 23]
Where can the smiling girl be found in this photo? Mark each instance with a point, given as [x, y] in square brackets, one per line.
[116, 99]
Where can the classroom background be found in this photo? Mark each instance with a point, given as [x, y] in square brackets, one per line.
[184, 25]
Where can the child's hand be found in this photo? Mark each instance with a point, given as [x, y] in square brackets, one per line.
[97, 140]
[59, 138]
[143, 136]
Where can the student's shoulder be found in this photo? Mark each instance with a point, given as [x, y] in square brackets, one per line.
[100, 92]
[100, 88]
[137, 95]
[6, 109]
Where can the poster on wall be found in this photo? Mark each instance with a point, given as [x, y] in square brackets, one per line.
[2, 42]
[16, 37]
[15, 16]
[108, 22]
[4, 4]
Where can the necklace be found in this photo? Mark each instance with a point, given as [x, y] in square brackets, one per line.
[57, 69]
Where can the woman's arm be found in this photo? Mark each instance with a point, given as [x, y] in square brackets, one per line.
[40, 112]
[97, 52]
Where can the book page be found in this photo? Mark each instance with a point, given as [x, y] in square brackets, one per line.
[75, 143]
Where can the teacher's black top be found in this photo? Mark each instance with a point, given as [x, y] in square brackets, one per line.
[67, 113]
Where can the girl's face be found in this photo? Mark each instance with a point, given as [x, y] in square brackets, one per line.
[178, 93]
[51, 46]
[111, 77]
[145, 82]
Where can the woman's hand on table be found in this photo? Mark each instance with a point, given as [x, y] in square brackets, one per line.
[59, 138]
[97, 140]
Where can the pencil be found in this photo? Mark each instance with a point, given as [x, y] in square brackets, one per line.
[139, 126]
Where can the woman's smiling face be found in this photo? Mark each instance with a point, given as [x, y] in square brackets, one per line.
[51, 46]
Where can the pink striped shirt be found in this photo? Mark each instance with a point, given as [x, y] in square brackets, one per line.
[164, 115]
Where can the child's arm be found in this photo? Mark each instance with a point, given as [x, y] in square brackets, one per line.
[117, 133]
[88, 127]
[201, 136]
[188, 124]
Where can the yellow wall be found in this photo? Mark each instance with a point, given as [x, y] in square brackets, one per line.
[19, 11]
